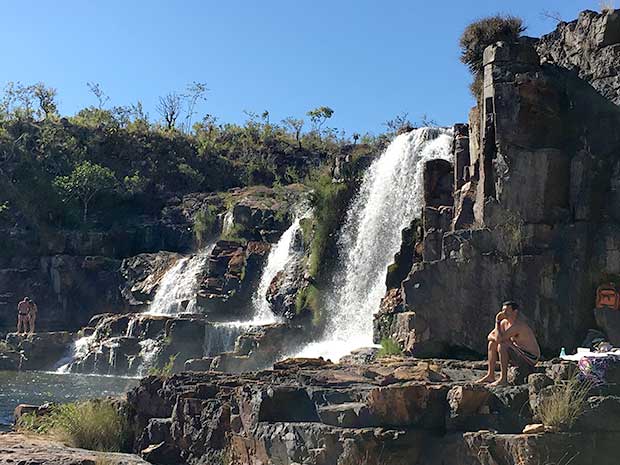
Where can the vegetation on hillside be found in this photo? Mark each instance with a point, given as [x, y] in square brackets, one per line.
[109, 162]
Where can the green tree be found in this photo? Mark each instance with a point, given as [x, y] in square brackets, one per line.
[46, 97]
[319, 115]
[296, 126]
[85, 182]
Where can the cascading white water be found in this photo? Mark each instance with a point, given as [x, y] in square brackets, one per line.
[280, 259]
[390, 197]
[79, 350]
[177, 289]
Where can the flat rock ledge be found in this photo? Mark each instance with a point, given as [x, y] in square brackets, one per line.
[20, 449]
[397, 411]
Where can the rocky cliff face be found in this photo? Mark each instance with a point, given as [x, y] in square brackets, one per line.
[536, 211]
[75, 275]
[590, 46]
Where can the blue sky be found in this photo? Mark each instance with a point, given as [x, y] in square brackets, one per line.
[368, 60]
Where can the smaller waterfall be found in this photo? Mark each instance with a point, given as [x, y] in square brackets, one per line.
[227, 223]
[78, 351]
[148, 352]
[280, 259]
[221, 337]
[177, 289]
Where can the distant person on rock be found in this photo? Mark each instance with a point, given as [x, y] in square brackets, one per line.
[513, 341]
[32, 315]
[23, 310]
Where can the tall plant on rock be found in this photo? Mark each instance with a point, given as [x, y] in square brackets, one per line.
[482, 33]
[86, 181]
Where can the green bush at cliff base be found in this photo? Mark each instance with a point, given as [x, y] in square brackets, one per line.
[389, 347]
[95, 425]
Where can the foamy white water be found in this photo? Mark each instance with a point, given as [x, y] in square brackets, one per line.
[177, 290]
[390, 197]
[78, 351]
[281, 258]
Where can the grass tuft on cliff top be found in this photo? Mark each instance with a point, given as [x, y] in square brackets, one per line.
[95, 425]
[486, 31]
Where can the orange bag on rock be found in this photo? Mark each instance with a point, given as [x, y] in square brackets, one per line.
[607, 297]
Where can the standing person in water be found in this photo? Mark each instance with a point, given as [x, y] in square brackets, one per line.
[513, 341]
[32, 315]
[23, 309]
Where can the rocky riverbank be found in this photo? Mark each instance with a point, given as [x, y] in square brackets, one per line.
[394, 410]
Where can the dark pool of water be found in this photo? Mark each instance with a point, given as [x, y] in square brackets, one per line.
[33, 387]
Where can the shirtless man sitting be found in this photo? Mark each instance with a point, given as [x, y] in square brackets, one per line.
[513, 341]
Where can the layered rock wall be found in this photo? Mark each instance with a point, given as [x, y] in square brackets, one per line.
[590, 46]
[535, 213]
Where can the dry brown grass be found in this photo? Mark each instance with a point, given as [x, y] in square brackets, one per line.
[565, 404]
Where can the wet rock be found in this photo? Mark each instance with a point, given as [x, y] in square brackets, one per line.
[142, 275]
[233, 271]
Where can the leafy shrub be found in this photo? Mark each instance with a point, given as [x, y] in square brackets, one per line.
[484, 32]
[95, 425]
[561, 408]
[389, 347]
[85, 182]
[166, 369]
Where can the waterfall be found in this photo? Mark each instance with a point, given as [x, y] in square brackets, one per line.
[79, 350]
[177, 290]
[228, 222]
[280, 259]
[221, 337]
[390, 197]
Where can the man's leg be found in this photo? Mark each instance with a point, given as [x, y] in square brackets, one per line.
[492, 357]
[32, 320]
[503, 364]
